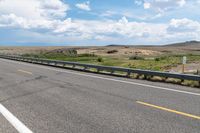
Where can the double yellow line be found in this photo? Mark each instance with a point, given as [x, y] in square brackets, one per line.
[169, 110]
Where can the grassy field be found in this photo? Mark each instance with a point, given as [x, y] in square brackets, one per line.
[159, 63]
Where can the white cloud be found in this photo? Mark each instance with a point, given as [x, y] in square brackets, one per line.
[182, 30]
[147, 5]
[53, 8]
[184, 25]
[104, 38]
[84, 6]
[13, 21]
[163, 5]
[181, 2]
[123, 20]
[34, 9]
[109, 13]
[32, 14]
[106, 29]
[129, 14]
[48, 16]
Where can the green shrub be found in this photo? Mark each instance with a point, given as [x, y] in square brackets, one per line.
[136, 58]
[112, 51]
[157, 59]
[100, 59]
[87, 55]
[71, 52]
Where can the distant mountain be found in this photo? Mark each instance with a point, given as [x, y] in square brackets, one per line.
[115, 45]
[185, 44]
[190, 44]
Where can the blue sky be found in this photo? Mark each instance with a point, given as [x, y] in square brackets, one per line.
[98, 22]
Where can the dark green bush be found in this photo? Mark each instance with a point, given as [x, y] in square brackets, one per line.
[100, 59]
[112, 51]
[157, 59]
[136, 58]
[87, 55]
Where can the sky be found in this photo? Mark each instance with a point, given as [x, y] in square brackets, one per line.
[98, 22]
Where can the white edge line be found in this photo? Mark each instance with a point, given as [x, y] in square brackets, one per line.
[19, 126]
[116, 80]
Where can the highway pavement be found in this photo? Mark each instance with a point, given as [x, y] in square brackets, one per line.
[42, 99]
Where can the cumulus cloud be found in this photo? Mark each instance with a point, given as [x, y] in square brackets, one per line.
[53, 8]
[34, 9]
[13, 21]
[183, 29]
[85, 29]
[32, 14]
[106, 29]
[183, 25]
[84, 6]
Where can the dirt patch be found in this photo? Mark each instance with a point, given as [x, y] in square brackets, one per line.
[120, 51]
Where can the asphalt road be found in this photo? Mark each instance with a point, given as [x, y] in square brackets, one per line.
[44, 99]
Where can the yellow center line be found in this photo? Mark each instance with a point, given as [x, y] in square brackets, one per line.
[169, 110]
[19, 70]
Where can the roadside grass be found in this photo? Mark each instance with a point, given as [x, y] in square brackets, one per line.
[157, 63]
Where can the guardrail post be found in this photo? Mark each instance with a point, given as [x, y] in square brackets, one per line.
[198, 72]
[128, 74]
[112, 71]
[148, 77]
[165, 78]
[199, 84]
[98, 70]
[145, 76]
[182, 80]
[137, 76]
[85, 68]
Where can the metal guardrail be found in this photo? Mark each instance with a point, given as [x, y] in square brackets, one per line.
[103, 69]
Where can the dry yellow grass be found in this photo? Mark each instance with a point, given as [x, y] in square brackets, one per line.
[102, 51]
